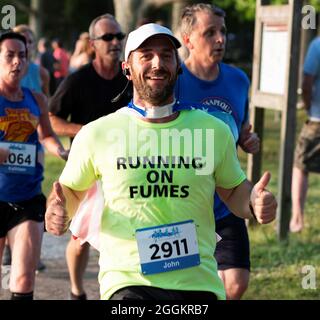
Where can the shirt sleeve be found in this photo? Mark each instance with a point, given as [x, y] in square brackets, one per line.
[228, 173]
[312, 60]
[246, 105]
[246, 112]
[79, 172]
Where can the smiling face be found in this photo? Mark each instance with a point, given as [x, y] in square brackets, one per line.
[153, 68]
[13, 61]
[207, 40]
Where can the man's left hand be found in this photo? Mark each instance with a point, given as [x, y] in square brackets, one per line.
[249, 141]
[263, 201]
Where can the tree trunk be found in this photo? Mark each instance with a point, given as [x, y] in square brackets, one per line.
[177, 8]
[35, 17]
[176, 16]
[126, 12]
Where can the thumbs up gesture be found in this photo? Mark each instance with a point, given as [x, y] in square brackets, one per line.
[56, 216]
[263, 201]
[249, 141]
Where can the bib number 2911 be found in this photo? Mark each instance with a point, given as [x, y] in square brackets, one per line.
[168, 247]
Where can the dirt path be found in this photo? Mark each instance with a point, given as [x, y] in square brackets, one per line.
[53, 282]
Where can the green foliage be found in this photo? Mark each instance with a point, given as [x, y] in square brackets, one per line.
[71, 17]
[65, 19]
[315, 3]
[245, 9]
[81, 12]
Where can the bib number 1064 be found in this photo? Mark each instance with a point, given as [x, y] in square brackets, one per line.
[18, 158]
[21, 159]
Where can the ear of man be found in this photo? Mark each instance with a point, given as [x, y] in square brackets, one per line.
[126, 72]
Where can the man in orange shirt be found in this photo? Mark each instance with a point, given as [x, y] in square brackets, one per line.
[62, 58]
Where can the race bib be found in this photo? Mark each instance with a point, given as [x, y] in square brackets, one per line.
[168, 247]
[21, 160]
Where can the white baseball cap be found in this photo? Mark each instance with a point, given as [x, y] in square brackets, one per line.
[146, 31]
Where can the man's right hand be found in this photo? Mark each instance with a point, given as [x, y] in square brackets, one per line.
[56, 217]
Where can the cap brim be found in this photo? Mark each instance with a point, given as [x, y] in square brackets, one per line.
[176, 43]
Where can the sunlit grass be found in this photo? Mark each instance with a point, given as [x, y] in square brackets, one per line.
[276, 271]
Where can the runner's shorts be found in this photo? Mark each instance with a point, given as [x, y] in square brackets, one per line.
[12, 214]
[156, 294]
[233, 251]
[307, 153]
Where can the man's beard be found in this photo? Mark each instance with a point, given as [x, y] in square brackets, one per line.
[155, 96]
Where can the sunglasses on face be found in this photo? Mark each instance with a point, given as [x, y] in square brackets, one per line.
[110, 36]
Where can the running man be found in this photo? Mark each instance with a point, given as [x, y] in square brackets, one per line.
[220, 90]
[24, 124]
[84, 96]
[159, 165]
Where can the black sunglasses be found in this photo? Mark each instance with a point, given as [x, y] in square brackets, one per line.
[110, 36]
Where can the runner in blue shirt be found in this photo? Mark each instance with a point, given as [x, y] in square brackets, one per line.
[221, 90]
[24, 124]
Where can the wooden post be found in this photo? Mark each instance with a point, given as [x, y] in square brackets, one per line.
[255, 161]
[288, 125]
[274, 86]
[36, 17]
[256, 114]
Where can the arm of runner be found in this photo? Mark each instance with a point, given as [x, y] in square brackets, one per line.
[62, 204]
[263, 202]
[62, 127]
[46, 135]
[63, 105]
[45, 80]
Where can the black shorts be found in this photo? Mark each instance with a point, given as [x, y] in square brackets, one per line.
[12, 214]
[152, 293]
[233, 251]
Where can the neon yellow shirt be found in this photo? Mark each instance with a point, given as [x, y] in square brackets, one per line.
[155, 174]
